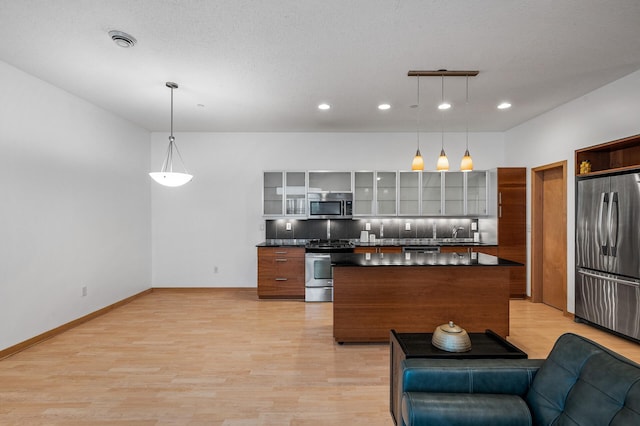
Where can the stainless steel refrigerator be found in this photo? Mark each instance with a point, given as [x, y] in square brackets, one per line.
[608, 252]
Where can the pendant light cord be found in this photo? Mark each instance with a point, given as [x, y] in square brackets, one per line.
[168, 161]
[466, 113]
[418, 115]
[442, 116]
[171, 138]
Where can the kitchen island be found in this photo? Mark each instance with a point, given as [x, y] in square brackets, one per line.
[414, 293]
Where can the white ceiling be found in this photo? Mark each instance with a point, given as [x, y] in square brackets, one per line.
[266, 65]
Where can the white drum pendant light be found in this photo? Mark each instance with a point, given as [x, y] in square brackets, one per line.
[166, 176]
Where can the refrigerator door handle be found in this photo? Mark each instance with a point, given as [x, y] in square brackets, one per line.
[612, 220]
[607, 277]
[602, 240]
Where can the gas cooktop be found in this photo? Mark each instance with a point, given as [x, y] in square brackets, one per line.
[332, 246]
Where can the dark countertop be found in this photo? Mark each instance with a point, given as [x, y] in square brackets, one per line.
[283, 243]
[418, 259]
[385, 242]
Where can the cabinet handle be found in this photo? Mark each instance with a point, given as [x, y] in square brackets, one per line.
[281, 260]
[499, 197]
[281, 279]
[281, 252]
[499, 211]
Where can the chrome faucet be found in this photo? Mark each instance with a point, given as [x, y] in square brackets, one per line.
[454, 231]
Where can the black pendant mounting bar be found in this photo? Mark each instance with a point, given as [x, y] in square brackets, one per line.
[442, 73]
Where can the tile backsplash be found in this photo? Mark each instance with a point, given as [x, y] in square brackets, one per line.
[382, 228]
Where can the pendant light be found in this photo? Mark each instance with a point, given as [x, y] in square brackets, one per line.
[443, 161]
[166, 176]
[466, 165]
[418, 163]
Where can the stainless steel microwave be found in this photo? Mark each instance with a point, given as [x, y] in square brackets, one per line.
[330, 205]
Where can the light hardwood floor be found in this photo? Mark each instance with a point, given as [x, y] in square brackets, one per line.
[221, 357]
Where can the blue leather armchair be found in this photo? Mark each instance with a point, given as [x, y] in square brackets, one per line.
[580, 384]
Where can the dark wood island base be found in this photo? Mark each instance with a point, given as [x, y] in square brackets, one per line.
[370, 299]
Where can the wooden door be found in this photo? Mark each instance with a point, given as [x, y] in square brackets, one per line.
[553, 239]
[512, 222]
[549, 238]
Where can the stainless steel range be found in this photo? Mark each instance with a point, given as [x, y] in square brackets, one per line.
[318, 271]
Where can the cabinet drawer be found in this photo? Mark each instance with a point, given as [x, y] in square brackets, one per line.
[283, 252]
[281, 272]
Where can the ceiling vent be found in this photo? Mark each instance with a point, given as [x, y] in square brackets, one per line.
[122, 39]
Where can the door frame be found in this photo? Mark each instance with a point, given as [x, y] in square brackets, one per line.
[537, 228]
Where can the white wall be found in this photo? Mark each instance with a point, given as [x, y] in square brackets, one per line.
[216, 219]
[74, 207]
[609, 113]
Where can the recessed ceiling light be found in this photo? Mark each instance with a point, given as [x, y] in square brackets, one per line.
[122, 39]
[444, 105]
[384, 107]
[324, 107]
[504, 105]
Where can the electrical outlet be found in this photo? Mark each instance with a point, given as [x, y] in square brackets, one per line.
[367, 226]
[407, 226]
[474, 226]
[288, 226]
[84, 291]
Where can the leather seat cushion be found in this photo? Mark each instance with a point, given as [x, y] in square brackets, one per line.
[461, 409]
[582, 383]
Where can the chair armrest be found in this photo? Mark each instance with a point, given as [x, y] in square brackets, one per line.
[497, 376]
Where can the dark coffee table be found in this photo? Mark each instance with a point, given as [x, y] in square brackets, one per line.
[418, 345]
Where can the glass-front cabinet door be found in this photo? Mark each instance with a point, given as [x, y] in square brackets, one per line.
[284, 194]
[363, 193]
[454, 193]
[295, 193]
[476, 193]
[320, 181]
[273, 194]
[386, 191]
[380, 193]
[409, 194]
[431, 193]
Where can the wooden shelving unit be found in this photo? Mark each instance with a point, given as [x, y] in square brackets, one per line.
[618, 155]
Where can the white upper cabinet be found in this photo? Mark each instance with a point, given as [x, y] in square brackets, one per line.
[453, 193]
[386, 193]
[381, 193]
[284, 194]
[431, 193]
[272, 194]
[476, 193]
[295, 192]
[363, 193]
[321, 181]
[409, 194]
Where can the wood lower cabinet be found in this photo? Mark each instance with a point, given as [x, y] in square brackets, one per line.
[380, 249]
[492, 250]
[454, 249]
[512, 217]
[370, 301]
[280, 273]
